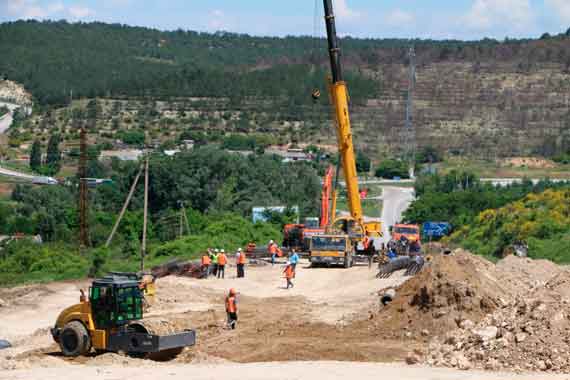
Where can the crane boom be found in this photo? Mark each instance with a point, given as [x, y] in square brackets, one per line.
[339, 96]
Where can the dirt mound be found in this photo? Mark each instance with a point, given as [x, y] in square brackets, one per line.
[523, 274]
[111, 359]
[450, 289]
[530, 331]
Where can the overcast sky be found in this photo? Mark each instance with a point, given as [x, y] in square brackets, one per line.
[438, 19]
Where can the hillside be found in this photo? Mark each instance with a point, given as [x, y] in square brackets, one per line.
[485, 98]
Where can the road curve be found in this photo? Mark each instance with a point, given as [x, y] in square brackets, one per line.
[395, 201]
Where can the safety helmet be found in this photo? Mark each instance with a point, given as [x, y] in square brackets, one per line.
[223, 251]
[270, 241]
[288, 263]
[216, 250]
[239, 249]
[232, 292]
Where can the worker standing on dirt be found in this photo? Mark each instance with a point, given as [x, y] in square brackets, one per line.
[289, 274]
[206, 265]
[222, 261]
[294, 259]
[215, 261]
[272, 249]
[240, 262]
[231, 308]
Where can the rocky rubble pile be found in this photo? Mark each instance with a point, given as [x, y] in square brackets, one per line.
[529, 333]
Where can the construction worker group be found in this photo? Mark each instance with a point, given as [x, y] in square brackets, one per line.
[214, 263]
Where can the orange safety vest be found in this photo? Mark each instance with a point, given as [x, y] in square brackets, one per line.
[273, 249]
[206, 260]
[241, 258]
[222, 259]
[279, 252]
[231, 304]
[289, 271]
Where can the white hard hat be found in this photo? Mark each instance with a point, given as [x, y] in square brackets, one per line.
[239, 249]
[288, 263]
[223, 251]
[216, 250]
[270, 241]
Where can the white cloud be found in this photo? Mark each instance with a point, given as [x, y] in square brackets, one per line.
[345, 13]
[561, 8]
[400, 18]
[487, 14]
[218, 21]
[78, 11]
[31, 9]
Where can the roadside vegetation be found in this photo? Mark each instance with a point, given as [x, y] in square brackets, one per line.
[216, 188]
[489, 219]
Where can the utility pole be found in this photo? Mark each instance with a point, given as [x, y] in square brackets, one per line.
[124, 209]
[83, 190]
[143, 245]
[409, 127]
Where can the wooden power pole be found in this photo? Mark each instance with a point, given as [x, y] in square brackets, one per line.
[83, 191]
[145, 213]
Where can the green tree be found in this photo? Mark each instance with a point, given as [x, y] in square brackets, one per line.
[53, 158]
[363, 163]
[36, 156]
[392, 168]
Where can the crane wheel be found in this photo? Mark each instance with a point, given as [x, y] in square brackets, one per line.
[74, 339]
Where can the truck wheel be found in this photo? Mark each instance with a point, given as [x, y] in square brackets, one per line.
[74, 339]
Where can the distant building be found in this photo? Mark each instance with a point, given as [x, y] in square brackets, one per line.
[123, 154]
[171, 152]
[291, 155]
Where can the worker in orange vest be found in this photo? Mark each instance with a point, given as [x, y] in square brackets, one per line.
[240, 262]
[231, 308]
[289, 274]
[206, 264]
[272, 249]
[222, 261]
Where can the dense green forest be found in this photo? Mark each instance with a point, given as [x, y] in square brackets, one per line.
[97, 59]
[217, 190]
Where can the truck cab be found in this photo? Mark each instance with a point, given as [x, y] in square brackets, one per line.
[331, 250]
[410, 231]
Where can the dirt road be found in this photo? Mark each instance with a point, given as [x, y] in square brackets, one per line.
[270, 371]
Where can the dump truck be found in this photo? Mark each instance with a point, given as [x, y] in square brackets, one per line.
[331, 250]
[111, 320]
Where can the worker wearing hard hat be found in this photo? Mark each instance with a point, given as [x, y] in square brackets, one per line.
[232, 308]
[272, 249]
[222, 261]
[240, 263]
[289, 274]
[206, 261]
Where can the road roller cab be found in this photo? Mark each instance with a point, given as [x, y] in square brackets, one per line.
[112, 320]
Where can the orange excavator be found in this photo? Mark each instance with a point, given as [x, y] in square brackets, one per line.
[298, 236]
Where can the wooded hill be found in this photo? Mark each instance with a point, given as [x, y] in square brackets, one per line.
[488, 98]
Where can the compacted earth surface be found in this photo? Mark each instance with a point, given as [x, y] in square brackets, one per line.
[462, 317]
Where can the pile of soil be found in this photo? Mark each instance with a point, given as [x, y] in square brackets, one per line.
[528, 330]
[450, 289]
